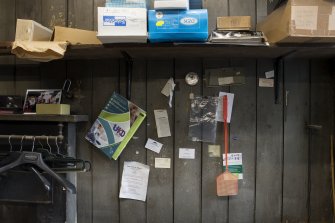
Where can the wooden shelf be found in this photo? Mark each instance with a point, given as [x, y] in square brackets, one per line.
[191, 50]
[44, 118]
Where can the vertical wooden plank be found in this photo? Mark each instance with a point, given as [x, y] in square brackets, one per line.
[261, 10]
[296, 115]
[160, 187]
[269, 151]
[7, 20]
[80, 14]
[105, 172]
[97, 3]
[131, 210]
[29, 10]
[54, 13]
[243, 140]
[187, 174]
[322, 113]
[215, 9]
[214, 208]
[243, 7]
[80, 72]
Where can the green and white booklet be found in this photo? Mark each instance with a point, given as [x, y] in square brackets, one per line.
[115, 126]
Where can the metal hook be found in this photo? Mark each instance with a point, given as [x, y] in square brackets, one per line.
[22, 143]
[10, 144]
[67, 85]
[48, 144]
[56, 141]
[32, 149]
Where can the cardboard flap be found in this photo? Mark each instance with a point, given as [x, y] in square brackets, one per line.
[42, 51]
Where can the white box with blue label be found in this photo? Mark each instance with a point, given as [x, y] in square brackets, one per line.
[120, 25]
[178, 25]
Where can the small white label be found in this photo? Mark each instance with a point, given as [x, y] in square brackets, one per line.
[162, 162]
[305, 17]
[225, 80]
[214, 150]
[270, 74]
[331, 22]
[263, 82]
[185, 153]
[189, 21]
[153, 145]
[162, 123]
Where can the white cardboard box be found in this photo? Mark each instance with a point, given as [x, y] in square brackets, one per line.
[29, 30]
[171, 4]
[119, 25]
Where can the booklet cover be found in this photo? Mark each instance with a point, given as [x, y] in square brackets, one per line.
[115, 126]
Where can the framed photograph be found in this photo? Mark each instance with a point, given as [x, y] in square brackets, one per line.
[41, 96]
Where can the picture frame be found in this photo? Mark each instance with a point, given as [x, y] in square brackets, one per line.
[40, 96]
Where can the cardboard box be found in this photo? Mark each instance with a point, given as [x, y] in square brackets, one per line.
[178, 25]
[301, 21]
[52, 109]
[233, 23]
[119, 25]
[29, 30]
[171, 4]
[75, 36]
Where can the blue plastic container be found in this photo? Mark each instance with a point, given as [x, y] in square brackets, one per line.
[178, 25]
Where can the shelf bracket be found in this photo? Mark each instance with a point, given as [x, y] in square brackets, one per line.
[129, 71]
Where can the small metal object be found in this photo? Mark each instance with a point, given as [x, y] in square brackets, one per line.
[192, 78]
[317, 127]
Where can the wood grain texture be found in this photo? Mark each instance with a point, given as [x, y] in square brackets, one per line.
[80, 72]
[135, 150]
[105, 172]
[54, 13]
[97, 3]
[243, 140]
[215, 9]
[7, 20]
[80, 14]
[295, 178]
[214, 208]
[29, 10]
[243, 8]
[322, 113]
[160, 187]
[269, 151]
[187, 174]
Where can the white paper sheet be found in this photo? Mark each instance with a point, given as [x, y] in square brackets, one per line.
[263, 82]
[134, 183]
[162, 123]
[270, 74]
[186, 153]
[219, 111]
[168, 90]
[153, 145]
[162, 162]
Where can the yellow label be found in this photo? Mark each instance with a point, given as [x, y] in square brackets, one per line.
[160, 23]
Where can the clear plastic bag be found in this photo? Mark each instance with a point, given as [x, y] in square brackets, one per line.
[202, 124]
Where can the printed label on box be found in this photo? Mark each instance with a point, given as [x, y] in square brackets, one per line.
[235, 164]
[305, 17]
[331, 23]
[114, 20]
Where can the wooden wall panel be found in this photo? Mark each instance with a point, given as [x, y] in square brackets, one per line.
[243, 140]
[243, 7]
[269, 151]
[97, 3]
[214, 208]
[105, 172]
[187, 172]
[29, 10]
[215, 9]
[80, 72]
[7, 20]
[296, 116]
[135, 150]
[54, 13]
[322, 112]
[160, 186]
[80, 14]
